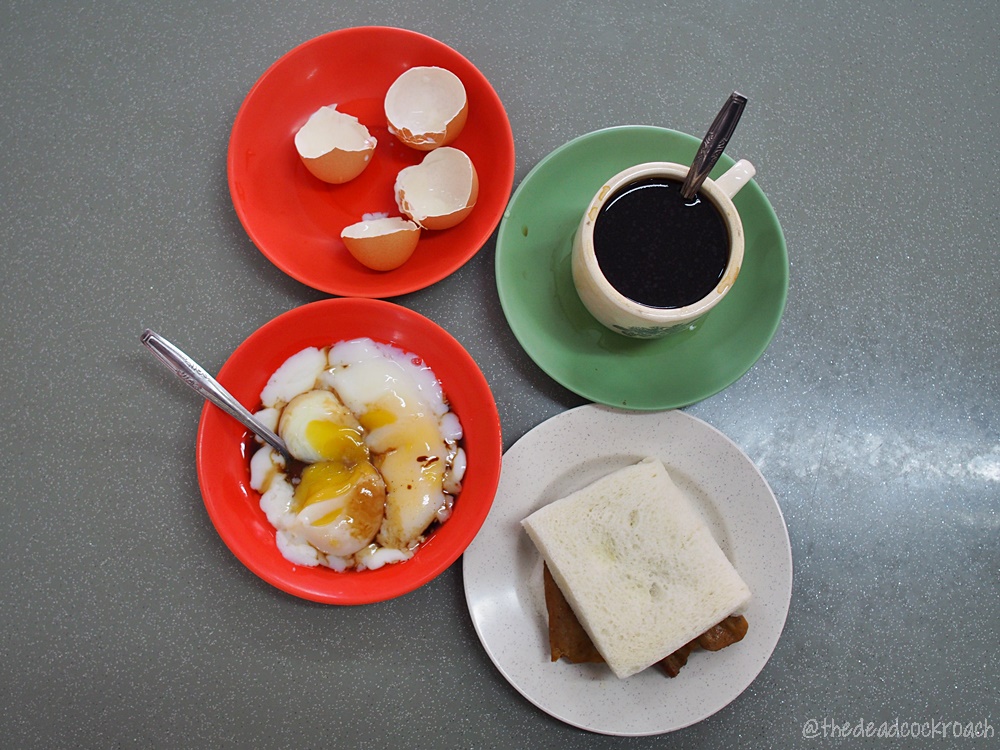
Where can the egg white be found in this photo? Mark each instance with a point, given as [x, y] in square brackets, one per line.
[399, 401]
[298, 416]
[396, 403]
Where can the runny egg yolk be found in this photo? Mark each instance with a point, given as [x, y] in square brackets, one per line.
[412, 461]
[336, 442]
[342, 496]
[345, 463]
[377, 417]
[359, 486]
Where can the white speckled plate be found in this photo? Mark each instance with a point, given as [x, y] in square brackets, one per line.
[503, 571]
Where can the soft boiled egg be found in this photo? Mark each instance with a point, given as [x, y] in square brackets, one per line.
[334, 146]
[338, 503]
[399, 403]
[381, 445]
[339, 507]
[440, 191]
[316, 426]
[426, 107]
[381, 243]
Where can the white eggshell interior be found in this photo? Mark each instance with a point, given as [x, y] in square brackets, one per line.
[424, 100]
[440, 184]
[328, 128]
[378, 227]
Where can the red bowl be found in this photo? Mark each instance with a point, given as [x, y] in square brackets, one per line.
[296, 220]
[223, 463]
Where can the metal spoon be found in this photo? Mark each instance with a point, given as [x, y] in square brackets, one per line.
[197, 378]
[713, 144]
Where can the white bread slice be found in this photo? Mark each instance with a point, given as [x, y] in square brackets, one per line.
[637, 564]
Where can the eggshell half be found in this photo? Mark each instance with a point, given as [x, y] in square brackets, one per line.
[381, 244]
[426, 107]
[334, 146]
[440, 191]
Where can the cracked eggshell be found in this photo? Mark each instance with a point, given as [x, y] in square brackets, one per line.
[426, 107]
[381, 244]
[334, 146]
[440, 191]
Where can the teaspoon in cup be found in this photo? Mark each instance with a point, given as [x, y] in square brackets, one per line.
[713, 144]
[204, 384]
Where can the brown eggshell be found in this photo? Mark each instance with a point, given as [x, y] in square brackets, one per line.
[339, 166]
[426, 107]
[381, 244]
[447, 221]
[334, 146]
[439, 192]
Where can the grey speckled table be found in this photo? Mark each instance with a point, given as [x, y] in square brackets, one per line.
[874, 414]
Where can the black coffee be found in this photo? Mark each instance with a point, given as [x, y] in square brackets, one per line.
[658, 249]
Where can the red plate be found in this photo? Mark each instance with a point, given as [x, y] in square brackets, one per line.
[224, 471]
[296, 220]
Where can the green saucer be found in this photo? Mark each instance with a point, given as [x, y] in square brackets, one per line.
[544, 312]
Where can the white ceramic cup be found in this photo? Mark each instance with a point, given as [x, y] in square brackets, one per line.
[624, 315]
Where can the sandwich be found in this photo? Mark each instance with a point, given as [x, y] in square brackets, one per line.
[638, 568]
[568, 640]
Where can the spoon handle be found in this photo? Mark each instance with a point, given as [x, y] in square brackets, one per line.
[714, 143]
[208, 387]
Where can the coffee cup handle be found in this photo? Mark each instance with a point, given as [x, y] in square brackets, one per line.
[736, 177]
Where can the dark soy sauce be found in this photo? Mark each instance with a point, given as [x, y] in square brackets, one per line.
[658, 249]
